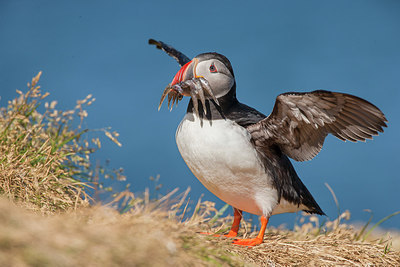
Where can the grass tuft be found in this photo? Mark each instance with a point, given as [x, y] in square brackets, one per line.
[44, 157]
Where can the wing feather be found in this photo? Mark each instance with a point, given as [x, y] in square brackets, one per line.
[300, 122]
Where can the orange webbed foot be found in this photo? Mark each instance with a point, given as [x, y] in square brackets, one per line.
[206, 233]
[229, 235]
[248, 242]
[235, 226]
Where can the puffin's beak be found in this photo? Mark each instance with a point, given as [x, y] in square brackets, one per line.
[187, 72]
[180, 76]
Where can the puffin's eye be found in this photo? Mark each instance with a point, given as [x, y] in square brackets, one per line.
[213, 68]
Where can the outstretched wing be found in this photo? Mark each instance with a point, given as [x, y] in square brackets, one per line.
[180, 57]
[300, 122]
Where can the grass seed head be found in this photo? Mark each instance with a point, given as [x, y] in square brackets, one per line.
[44, 157]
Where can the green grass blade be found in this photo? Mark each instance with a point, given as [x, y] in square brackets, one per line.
[358, 236]
[378, 223]
[219, 214]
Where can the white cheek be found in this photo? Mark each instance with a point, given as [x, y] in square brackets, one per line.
[220, 83]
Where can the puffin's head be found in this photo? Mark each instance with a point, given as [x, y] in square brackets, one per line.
[214, 67]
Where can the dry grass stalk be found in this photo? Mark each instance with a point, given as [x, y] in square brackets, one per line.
[153, 234]
[311, 243]
[100, 236]
[44, 160]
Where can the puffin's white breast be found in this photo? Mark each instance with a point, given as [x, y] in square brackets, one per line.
[221, 156]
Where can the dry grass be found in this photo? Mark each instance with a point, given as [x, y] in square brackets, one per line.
[45, 166]
[101, 236]
[153, 235]
[335, 248]
[44, 159]
[311, 243]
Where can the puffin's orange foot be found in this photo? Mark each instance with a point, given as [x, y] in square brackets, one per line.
[229, 235]
[205, 233]
[248, 242]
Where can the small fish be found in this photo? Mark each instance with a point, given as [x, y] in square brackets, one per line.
[197, 89]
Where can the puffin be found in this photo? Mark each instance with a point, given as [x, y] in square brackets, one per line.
[241, 155]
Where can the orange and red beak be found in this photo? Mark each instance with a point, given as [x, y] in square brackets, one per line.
[181, 74]
[187, 72]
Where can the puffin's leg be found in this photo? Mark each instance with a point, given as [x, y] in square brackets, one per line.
[237, 216]
[254, 241]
